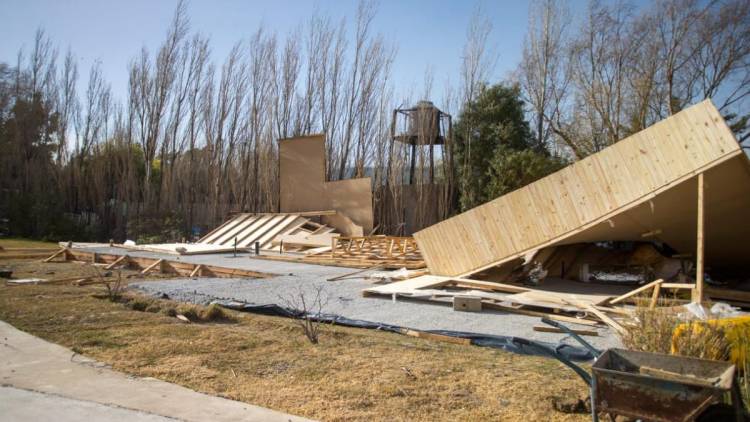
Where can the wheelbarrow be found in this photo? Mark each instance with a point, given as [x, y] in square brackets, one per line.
[653, 386]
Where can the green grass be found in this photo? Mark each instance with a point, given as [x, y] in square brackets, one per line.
[25, 243]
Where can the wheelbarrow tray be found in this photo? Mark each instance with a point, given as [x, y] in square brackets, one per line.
[658, 387]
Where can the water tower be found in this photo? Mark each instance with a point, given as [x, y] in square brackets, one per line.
[423, 125]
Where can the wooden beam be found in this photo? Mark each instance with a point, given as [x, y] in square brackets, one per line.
[347, 275]
[152, 266]
[689, 286]
[606, 319]
[654, 296]
[636, 291]
[546, 329]
[699, 269]
[196, 270]
[114, 264]
[55, 255]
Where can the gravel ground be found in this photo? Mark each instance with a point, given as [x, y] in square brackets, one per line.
[341, 297]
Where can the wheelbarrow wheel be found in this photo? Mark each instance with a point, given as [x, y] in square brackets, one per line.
[719, 412]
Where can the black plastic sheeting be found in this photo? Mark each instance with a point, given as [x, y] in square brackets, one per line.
[508, 343]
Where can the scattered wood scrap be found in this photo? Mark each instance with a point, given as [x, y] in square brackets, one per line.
[583, 309]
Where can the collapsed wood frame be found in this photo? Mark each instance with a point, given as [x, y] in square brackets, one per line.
[586, 309]
[683, 182]
[162, 265]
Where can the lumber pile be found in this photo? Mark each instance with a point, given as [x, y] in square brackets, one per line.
[371, 251]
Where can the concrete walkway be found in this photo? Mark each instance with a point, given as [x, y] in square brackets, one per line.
[44, 381]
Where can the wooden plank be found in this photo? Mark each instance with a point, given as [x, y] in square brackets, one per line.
[688, 286]
[56, 254]
[654, 296]
[529, 312]
[548, 329]
[218, 235]
[196, 271]
[116, 262]
[699, 264]
[606, 319]
[347, 275]
[152, 266]
[636, 291]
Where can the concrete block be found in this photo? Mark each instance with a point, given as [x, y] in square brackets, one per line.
[467, 303]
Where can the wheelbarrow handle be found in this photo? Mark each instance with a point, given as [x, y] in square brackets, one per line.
[596, 352]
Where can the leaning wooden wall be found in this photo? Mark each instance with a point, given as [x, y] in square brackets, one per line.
[584, 193]
[303, 186]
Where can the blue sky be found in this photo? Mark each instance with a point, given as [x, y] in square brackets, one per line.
[427, 33]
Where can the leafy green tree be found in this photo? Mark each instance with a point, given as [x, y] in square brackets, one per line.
[495, 149]
[512, 169]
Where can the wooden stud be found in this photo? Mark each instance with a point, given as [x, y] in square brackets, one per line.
[699, 269]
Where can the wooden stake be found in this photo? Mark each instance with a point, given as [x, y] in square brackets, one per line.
[698, 292]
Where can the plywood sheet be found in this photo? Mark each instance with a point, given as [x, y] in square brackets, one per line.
[303, 186]
[353, 198]
[302, 174]
[620, 183]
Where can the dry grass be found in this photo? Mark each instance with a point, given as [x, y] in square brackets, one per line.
[661, 330]
[351, 375]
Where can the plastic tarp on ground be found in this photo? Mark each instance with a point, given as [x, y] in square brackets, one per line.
[508, 343]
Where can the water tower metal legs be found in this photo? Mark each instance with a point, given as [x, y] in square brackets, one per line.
[413, 163]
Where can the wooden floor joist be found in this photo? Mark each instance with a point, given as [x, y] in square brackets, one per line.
[177, 267]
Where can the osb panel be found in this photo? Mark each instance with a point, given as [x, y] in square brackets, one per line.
[303, 185]
[583, 194]
[302, 174]
[353, 198]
